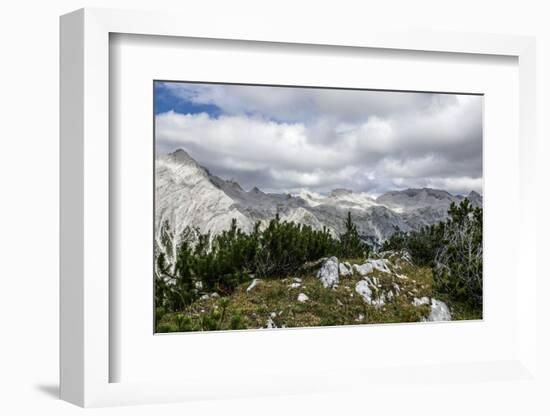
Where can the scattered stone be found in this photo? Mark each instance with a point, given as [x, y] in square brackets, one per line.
[422, 301]
[302, 297]
[270, 324]
[439, 312]
[362, 288]
[397, 288]
[273, 314]
[339, 303]
[294, 285]
[328, 274]
[360, 318]
[380, 265]
[406, 256]
[213, 295]
[297, 280]
[252, 285]
[344, 270]
[363, 269]
[380, 301]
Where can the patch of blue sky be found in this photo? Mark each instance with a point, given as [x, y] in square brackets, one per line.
[166, 100]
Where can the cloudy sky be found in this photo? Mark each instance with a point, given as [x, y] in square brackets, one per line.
[285, 139]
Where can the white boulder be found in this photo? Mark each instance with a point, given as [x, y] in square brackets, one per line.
[363, 269]
[421, 301]
[406, 256]
[252, 285]
[345, 270]
[328, 274]
[439, 312]
[270, 324]
[302, 297]
[213, 295]
[380, 265]
[396, 288]
[380, 301]
[362, 288]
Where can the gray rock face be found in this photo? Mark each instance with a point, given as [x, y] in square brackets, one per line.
[328, 274]
[187, 196]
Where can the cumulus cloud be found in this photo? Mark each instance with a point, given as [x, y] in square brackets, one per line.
[285, 139]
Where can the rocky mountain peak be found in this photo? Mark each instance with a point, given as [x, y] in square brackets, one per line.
[182, 156]
[187, 194]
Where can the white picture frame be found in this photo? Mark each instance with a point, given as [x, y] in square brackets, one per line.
[85, 354]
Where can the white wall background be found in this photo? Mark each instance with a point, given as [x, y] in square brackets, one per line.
[29, 56]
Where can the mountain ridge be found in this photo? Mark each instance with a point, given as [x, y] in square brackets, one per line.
[188, 195]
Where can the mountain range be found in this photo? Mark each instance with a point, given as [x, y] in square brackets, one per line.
[188, 195]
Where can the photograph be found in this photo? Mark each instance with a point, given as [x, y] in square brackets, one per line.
[296, 206]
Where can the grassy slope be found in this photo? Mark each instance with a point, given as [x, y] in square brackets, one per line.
[276, 301]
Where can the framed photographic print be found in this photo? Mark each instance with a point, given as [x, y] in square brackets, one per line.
[286, 207]
[282, 213]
